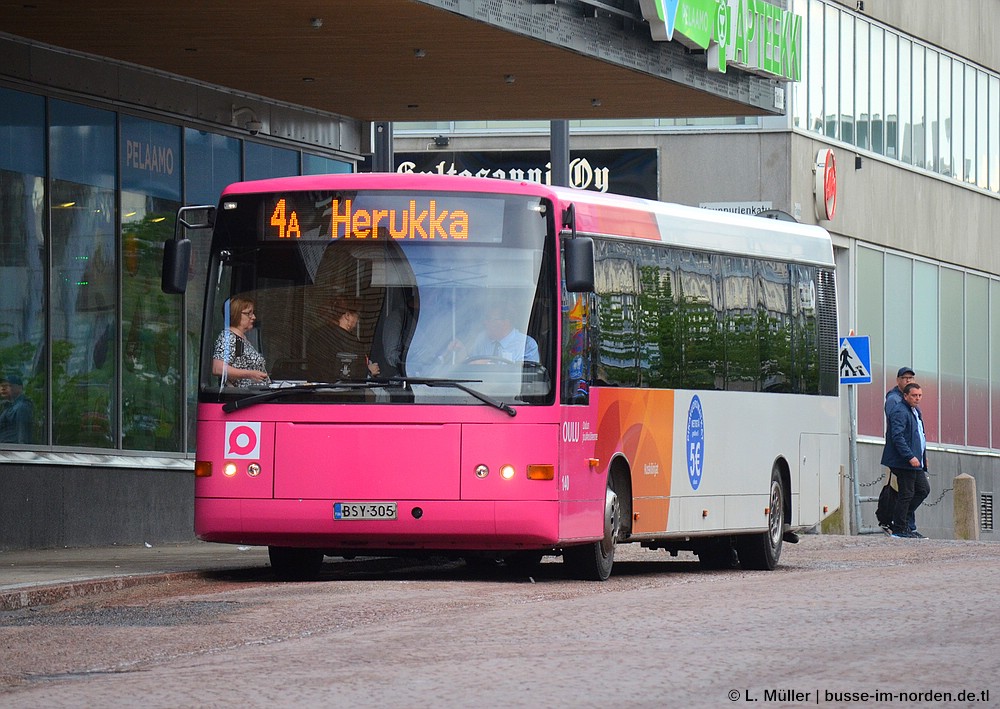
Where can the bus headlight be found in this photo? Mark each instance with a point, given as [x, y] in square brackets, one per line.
[507, 471]
[482, 470]
[229, 469]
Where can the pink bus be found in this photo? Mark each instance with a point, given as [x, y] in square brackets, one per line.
[501, 371]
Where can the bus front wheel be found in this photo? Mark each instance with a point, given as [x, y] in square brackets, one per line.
[762, 551]
[294, 564]
[593, 562]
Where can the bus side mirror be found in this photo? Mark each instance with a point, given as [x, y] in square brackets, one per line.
[176, 265]
[177, 251]
[578, 258]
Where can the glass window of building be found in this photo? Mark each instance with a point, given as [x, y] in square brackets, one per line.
[944, 116]
[957, 120]
[891, 95]
[905, 122]
[925, 326]
[85, 410]
[862, 99]
[151, 370]
[969, 153]
[831, 81]
[982, 125]
[815, 71]
[322, 165]
[263, 161]
[869, 279]
[918, 110]
[22, 263]
[995, 361]
[876, 64]
[930, 156]
[898, 314]
[993, 133]
[952, 357]
[211, 161]
[977, 344]
[847, 79]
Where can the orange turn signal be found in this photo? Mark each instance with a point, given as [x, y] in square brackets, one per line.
[203, 468]
[541, 472]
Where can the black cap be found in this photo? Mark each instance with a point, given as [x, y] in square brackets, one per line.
[905, 370]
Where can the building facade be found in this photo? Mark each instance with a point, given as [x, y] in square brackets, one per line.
[96, 155]
[90, 182]
[907, 97]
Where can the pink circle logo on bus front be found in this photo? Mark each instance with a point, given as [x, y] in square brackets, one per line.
[243, 439]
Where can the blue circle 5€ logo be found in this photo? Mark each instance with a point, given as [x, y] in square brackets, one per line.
[695, 442]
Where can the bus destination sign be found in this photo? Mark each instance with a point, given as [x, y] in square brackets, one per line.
[383, 217]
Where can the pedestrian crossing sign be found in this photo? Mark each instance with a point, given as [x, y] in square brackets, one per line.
[855, 360]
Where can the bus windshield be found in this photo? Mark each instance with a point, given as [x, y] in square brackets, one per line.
[381, 297]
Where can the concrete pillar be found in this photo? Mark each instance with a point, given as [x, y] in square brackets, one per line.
[966, 508]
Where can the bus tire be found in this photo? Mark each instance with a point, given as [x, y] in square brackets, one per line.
[593, 562]
[294, 564]
[762, 551]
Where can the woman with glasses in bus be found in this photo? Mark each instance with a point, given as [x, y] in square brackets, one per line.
[234, 358]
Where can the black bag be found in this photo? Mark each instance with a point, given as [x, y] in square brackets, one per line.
[886, 503]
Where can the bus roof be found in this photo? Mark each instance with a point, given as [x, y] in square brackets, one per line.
[602, 214]
[698, 228]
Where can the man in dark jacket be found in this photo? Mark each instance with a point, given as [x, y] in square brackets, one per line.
[894, 396]
[905, 455]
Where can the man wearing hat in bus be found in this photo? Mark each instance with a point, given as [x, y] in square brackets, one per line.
[17, 418]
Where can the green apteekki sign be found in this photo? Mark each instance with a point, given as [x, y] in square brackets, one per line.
[751, 34]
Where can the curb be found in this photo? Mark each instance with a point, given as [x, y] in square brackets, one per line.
[53, 593]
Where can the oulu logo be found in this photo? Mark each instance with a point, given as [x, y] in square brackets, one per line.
[242, 439]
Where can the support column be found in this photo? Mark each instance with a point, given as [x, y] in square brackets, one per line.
[559, 152]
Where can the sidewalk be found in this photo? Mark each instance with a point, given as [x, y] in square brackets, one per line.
[37, 577]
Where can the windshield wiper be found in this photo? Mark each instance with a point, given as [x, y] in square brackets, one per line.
[272, 394]
[394, 383]
[460, 384]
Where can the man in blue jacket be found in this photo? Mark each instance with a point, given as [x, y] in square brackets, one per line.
[905, 454]
[894, 396]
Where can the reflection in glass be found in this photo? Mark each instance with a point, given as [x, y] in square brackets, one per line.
[22, 259]
[877, 74]
[944, 117]
[83, 276]
[831, 82]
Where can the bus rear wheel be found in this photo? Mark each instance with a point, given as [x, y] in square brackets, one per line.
[762, 551]
[593, 562]
[294, 564]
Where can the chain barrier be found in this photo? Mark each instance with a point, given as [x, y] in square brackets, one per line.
[881, 481]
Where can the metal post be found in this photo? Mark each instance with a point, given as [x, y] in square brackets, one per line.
[382, 158]
[853, 440]
[559, 152]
